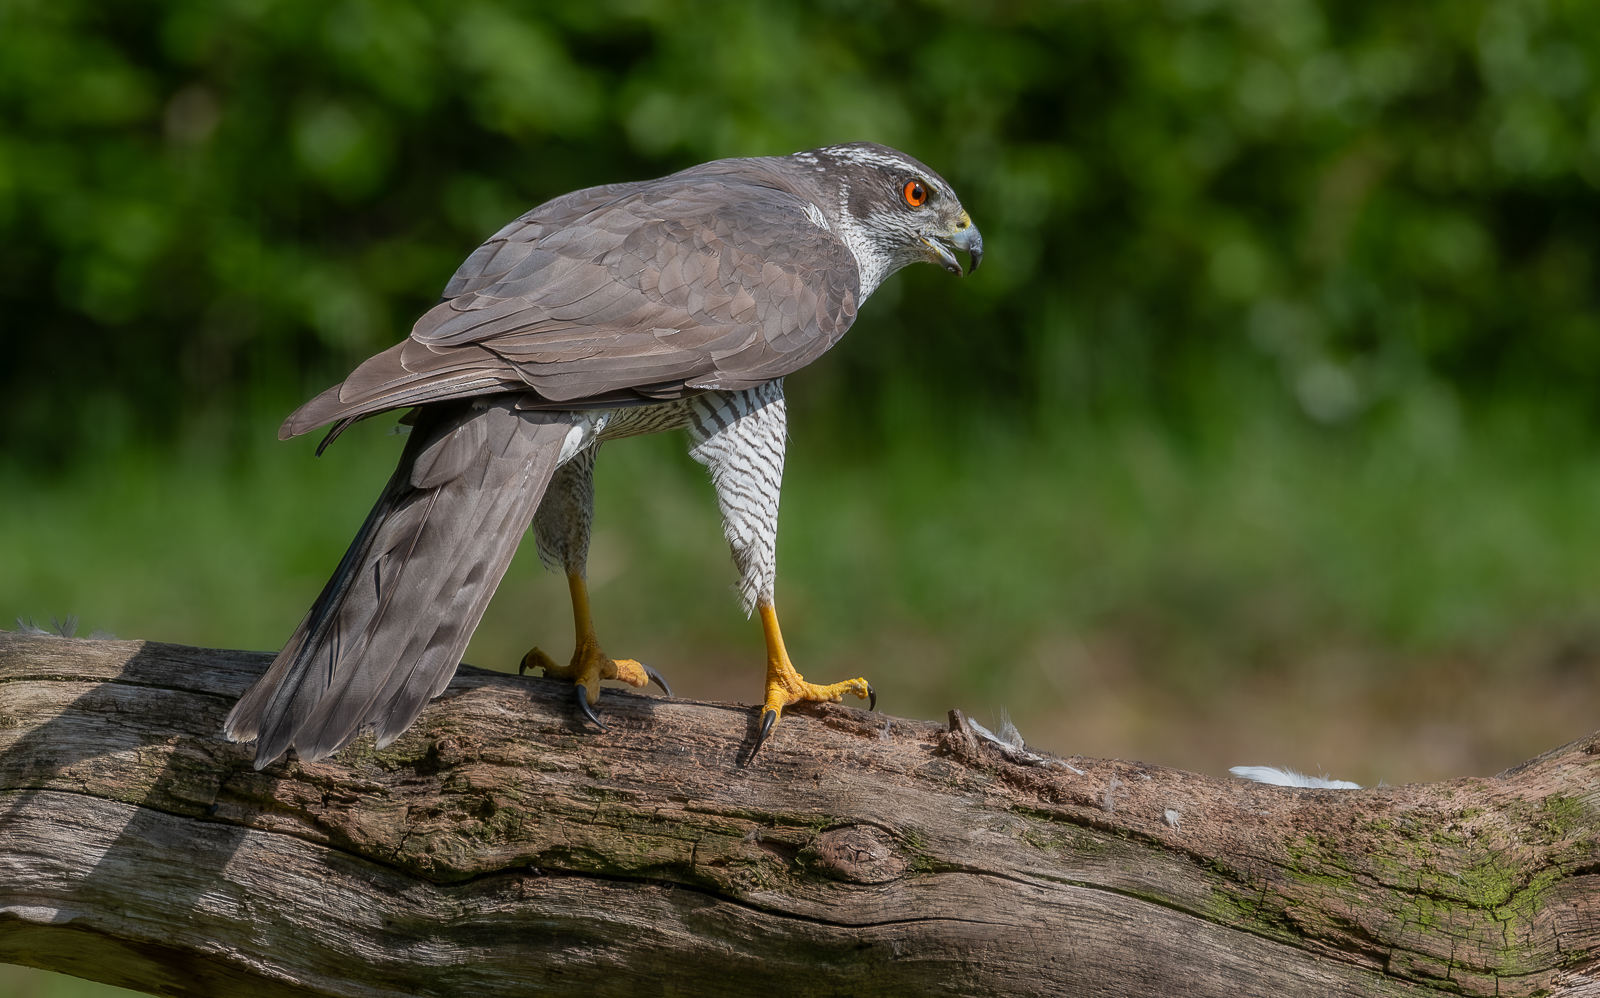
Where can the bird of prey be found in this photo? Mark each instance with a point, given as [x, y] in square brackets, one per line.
[610, 312]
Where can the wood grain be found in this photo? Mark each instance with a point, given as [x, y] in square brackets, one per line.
[501, 848]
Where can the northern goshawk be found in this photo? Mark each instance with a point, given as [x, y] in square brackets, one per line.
[610, 312]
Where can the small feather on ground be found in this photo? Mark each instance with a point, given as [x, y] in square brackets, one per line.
[1290, 778]
[59, 628]
[1010, 743]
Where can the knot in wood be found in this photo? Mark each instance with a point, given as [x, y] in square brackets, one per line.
[858, 853]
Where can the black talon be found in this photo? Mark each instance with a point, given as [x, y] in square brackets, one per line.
[656, 678]
[588, 711]
[872, 698]
[767, 721]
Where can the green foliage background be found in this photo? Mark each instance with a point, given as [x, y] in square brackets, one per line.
[1275, 388]
[202, 202]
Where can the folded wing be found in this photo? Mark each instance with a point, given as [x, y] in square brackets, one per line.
[622, 295]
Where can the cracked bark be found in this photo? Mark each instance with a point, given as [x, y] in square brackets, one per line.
[499, 848]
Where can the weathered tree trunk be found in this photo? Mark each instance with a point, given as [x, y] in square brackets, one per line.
[500, 848]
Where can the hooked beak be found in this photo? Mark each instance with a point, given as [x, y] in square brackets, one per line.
[964, 238]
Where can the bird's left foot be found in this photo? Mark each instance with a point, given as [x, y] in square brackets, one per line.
[785, 685]
[589, 664]
[588, 667]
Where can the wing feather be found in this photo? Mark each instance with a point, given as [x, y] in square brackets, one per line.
[703, 279]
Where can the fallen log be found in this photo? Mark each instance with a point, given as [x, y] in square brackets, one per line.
[501, 847]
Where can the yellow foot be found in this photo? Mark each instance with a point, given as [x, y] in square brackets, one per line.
[786, 686]
[589, 664]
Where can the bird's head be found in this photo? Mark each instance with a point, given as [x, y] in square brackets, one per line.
[890, 209]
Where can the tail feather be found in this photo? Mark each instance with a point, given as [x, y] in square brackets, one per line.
[465, 558]
[390, 626]
[274, 694]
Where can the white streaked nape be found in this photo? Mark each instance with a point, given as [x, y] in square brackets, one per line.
[1289, 778]
[852, 153]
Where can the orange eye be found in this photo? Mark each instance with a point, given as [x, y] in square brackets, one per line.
[916, 194]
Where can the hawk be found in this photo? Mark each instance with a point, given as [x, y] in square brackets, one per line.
[610, 312]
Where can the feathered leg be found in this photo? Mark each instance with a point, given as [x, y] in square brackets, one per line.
[388, 630]
[740, 438]
[561, 527]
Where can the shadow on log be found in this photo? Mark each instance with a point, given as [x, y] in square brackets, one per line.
[500, 848]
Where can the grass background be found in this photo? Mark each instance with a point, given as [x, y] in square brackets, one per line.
[1410, 603]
